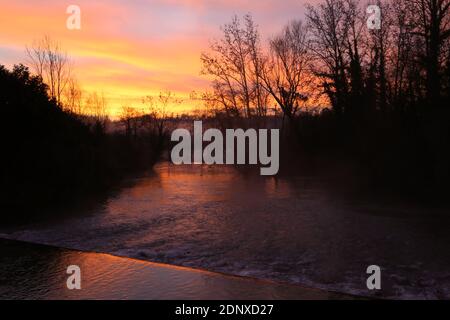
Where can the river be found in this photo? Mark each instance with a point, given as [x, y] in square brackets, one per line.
[294, 229]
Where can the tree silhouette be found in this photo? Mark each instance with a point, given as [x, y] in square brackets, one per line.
[49, 62]
[285, 72]
[50, 155]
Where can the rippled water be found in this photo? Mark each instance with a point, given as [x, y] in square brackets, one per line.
[30, 271]
[295, 229]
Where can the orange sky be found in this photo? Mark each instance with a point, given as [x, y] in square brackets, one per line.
[130, 49]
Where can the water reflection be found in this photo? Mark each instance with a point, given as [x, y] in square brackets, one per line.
[295, 229]
[36, 272]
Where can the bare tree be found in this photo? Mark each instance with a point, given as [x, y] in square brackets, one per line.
[356, 33]
[96, 107]
[284, 74]
[156, 111]
[130, 118]
[379, 57]
[234, 63]
[48, 61]
[73, 97]
[259, 95]
[329, 31]
[401, 55]
[433, 28]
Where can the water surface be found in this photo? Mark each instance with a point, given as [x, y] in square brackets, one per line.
[30, 271]
[295, 229]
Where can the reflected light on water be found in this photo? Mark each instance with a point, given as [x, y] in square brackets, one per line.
[295, 229]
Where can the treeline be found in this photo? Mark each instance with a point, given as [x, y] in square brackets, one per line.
[374, 96]
[51, 156]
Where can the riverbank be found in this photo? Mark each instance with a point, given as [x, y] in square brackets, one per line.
[31, 271]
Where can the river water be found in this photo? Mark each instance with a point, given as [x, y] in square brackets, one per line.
[294, 229]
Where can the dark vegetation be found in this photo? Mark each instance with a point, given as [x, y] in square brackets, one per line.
[51, 155]
[370, 103]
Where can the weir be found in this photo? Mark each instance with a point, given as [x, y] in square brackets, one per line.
[42, 275]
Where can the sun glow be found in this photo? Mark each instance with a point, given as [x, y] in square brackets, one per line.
[129, 50]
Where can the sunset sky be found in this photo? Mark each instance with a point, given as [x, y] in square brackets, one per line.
[130, 49]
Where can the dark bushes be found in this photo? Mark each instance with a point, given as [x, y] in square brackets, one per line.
[49, 156]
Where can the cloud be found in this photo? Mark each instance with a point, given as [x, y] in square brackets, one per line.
[129, 48]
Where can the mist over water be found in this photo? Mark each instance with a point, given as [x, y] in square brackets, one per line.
[296, 229]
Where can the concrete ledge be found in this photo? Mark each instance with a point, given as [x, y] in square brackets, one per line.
[30, 271]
